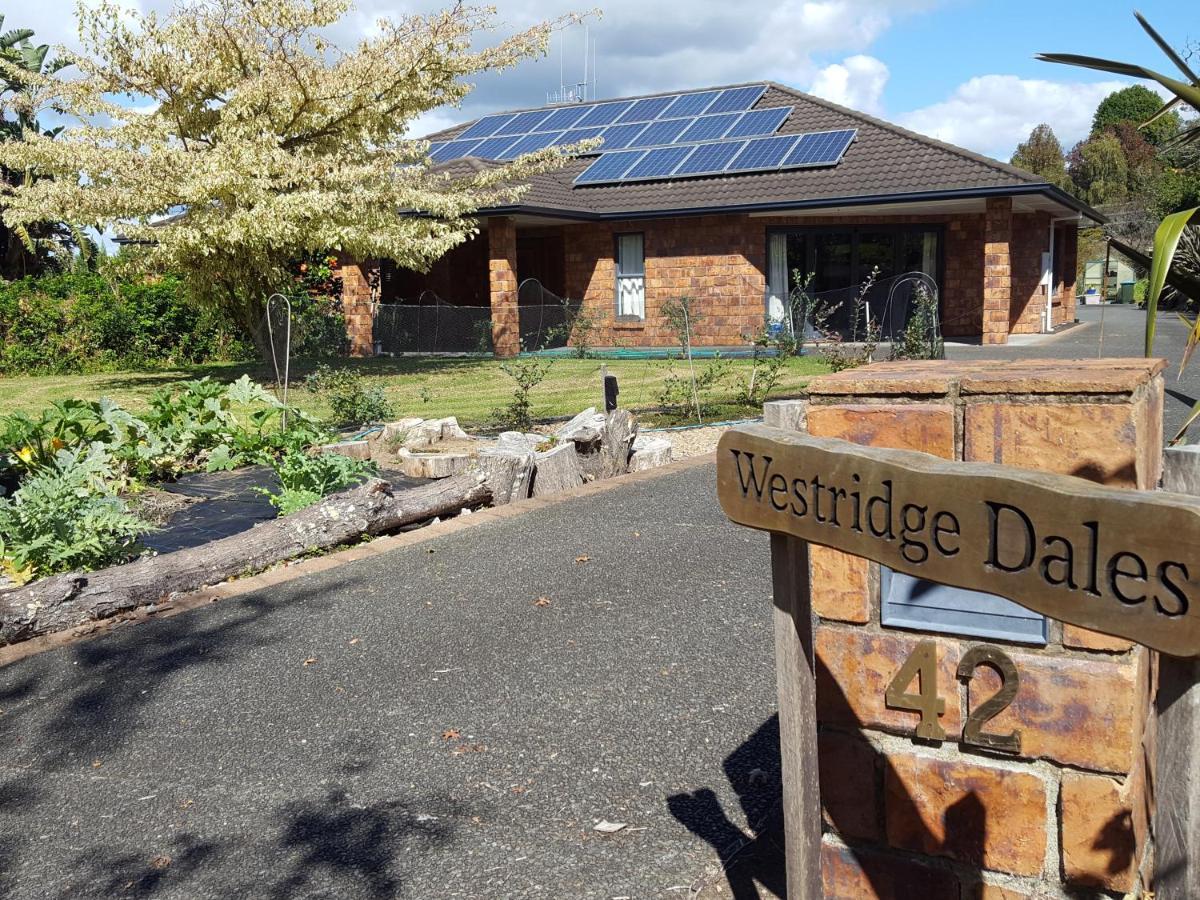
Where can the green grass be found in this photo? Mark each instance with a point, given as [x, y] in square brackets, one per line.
[471, 389]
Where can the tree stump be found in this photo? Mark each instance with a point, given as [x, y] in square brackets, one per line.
[616, 442]
[649, 453]
[583, 429]
[557, 470]
[509, 473]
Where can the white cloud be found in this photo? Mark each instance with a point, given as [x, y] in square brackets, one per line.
[857, 81]
[993, 113]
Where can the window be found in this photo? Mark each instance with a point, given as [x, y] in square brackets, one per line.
[631, 276]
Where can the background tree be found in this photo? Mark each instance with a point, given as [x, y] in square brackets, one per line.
[1135, 105]
[273, 142]
[1042, 155]
[1099, 170]
[25, 249]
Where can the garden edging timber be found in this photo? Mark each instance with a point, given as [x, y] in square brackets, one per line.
[290, 571]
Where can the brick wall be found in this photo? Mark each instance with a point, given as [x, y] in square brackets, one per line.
[1030, 239]
[1069, 811]
[721, 262]
[997, 269]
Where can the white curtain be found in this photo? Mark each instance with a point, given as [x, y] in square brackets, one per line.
[777, 277]
[631, 276]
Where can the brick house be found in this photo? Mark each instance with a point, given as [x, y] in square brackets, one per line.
[650, 219]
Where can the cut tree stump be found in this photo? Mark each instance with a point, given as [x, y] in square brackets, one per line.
[64, 601]
[509, 473]
[583, 429]
[556, 471]
[616, 443]
[649, 453]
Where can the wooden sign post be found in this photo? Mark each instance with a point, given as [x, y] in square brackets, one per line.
[1120, 562]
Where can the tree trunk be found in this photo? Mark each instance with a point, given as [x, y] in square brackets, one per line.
[556, 471]
[64, 601]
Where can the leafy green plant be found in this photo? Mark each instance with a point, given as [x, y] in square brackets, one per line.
[305, 478]
[840, 353]
[528, 372]
[771, 350]
[65, 518]
[350, 399]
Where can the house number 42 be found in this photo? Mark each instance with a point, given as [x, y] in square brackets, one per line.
[921, 666]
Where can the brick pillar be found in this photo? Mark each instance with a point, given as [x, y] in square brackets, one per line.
[356, 305]
[1067, 813]
[997, 270]
[502, 280]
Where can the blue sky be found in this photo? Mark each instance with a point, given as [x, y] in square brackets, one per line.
[960, 70]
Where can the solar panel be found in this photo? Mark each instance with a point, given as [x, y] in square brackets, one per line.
[689, 105]
[737, 99]
[486, 126]
[618, 137]
[646, 110]
[494, 148]
[820, 149]
[566, 117]
[445, 152]
[708, 128]
[529, 143]
[610, 167]
[708, 159]
[662, 132]
[605, 114]
[575, 135]
[524, 122]
[658, 163]
[760, 121]
[763, 153]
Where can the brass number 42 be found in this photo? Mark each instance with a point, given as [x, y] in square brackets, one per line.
[921, 665]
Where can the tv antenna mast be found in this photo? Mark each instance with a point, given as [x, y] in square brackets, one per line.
[579, 91]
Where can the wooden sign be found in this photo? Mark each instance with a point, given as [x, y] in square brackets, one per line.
[1125, 563]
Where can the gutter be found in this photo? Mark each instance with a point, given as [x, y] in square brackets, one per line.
[1050, 191]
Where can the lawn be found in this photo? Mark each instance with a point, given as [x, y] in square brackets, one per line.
[469, 388]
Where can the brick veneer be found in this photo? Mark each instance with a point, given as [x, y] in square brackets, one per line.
[997, 269]
[502, 285]
[1069, 813]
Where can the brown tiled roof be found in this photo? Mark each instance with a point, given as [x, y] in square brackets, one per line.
[885, 162]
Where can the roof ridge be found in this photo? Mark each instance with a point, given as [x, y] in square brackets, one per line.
[1027, 177]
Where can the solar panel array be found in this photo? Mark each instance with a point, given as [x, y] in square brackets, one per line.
[726, 157]
[682, 135]
[651, 122]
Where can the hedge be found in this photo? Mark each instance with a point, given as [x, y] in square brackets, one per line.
[77, 323]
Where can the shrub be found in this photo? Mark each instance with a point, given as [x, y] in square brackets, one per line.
[692, 392]
[64, 518]
[351, 400]
[79, 322]
[528, 372]
[305, 478]
[921, 338]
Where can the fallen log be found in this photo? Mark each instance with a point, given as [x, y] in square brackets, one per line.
[64, 601]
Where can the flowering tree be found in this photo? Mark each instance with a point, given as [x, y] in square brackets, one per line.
[247, 140]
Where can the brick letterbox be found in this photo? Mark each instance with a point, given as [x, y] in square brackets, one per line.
[1066, 806]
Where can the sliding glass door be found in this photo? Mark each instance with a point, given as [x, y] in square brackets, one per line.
[835, 262]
